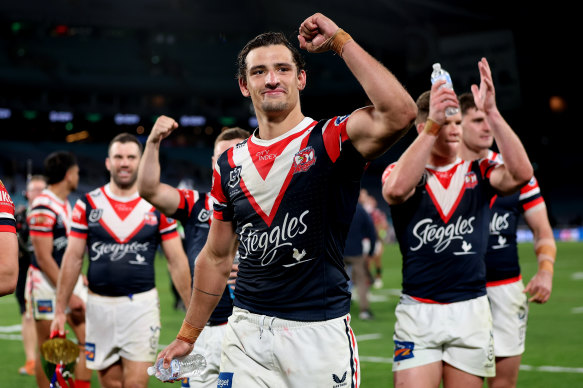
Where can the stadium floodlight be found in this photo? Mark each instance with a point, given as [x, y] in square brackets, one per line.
[192, 121]
[126, 119]
[60, 116]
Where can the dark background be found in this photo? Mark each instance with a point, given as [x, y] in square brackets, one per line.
[96, 59]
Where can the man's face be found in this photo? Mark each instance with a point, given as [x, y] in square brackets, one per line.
[448, 140]
[273, 81]
[222, 146]
[477, 134]
[122, 164]
[34, 188]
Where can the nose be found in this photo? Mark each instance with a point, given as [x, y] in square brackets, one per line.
[271, 79]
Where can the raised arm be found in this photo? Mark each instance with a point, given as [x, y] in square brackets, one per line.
[517, 170]
[372, 129]
[164, 197]
[68, 275]
[8, 262]
[213, 266]
[540, 286]
[404, 177]
[178, 267]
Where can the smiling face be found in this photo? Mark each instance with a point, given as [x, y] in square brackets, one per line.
[449, 138]
[122, 164]
[272, 80]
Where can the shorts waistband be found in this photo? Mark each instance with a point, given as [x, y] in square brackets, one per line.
[278, 323]
[209, 323]
[123, 299]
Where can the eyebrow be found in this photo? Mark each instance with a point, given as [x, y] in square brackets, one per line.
[278, 64]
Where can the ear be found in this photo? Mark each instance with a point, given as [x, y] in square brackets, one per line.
[108, 164]
[302, 79]
[420, 127]
[243, 87]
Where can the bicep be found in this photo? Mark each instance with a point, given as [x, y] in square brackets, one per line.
[172, 247]
[502, 181]
[75, 248]
[9, 252]
[166, 199]
[43, 246]
[222, 239]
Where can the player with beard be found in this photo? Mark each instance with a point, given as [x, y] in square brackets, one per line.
[288, 195]
[49, 222]
[122, 232]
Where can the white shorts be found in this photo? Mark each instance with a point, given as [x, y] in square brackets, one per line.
[209, 344]
[41, 294]
[510, 314]
[262, 351]
[120, 326]
[458, 333]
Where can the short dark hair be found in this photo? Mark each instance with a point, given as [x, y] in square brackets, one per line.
[422, 107]
[57, 164]
[232, 134]
[267, 39]
[466, 102]
[125, 137]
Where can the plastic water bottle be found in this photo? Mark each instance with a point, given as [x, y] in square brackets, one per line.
[192, 365]
[232, 286]
[441, 74]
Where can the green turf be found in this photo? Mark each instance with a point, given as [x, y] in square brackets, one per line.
[554, 336]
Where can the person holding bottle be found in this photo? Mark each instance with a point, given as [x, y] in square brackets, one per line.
[506, 291]
[287, 196]
[440, 209]
[122, 232]
[194, 210]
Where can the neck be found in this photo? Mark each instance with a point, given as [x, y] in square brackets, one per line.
[274, 125]
[467, 153]
[121, 192]
[61, 190]
[438, 161]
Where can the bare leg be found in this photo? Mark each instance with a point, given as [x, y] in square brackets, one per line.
[456, 378]
[134, 373]
[29, 338]
[77, 322]
[425, 376]
[111, 377]
[506, 372]
[43, 328]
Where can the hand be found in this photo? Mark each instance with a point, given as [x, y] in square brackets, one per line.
[440, 99]
[58, 324]
[162, 128]
[540, 287]
[485, 95]
[316, 32]
[177, 348]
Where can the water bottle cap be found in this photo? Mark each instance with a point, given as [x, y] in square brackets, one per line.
[436, 66]
[151, 371]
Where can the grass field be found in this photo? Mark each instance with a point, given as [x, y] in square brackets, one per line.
[554, 343]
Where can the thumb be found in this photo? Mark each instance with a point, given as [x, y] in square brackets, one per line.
[302, 42]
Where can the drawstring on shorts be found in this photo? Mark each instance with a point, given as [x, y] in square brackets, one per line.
[270, 327]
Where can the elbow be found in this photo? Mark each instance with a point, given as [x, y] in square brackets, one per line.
[392, 194]
[145, 192]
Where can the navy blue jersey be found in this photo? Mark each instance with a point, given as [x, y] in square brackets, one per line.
[443, 232]
[123, 235]
[361, 228]
[502, 256]
[195, 213]
[291, 200]
[50, 217]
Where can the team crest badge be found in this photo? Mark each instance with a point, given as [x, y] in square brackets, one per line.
[150, 218]
[304, 159]
[234, 177]
[471, 180]
[95, 215]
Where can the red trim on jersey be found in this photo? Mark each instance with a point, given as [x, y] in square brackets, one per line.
[217, 189]
[493, 200]
[169, 236]
[504, 281]
[82, 236]
[446, 217]
[429, 301]
[40, 234]
[7, 228]
[333, 135]
[531, 204]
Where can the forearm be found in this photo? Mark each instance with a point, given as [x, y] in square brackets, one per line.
[149, 170]
[9, 263]
[180, 274]
[49, 267]
[519, 168]
[68, 275]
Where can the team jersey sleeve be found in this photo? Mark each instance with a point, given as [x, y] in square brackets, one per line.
[487, 166]
[530, 197]
[222, 210]
[387, 172]
[41, 218]
[7, 220]
[79, 226]
[334, 134]
[167, 228]
[187, 200]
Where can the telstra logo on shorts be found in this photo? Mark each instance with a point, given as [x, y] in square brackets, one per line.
[225, 380]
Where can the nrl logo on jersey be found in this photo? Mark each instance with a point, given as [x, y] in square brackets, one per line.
[95, 215]
[304, 159]
[234, 177]
[204, 215]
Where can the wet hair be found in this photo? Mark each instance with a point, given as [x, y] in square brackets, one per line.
[57, 164]
[232, 134]
[422, 107]
[267, 39]
[466, 102]
[125, 138]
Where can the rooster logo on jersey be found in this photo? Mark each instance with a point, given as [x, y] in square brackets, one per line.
[303, 160]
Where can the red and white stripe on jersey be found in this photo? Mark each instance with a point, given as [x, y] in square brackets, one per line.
[7, 220]
[121, 217]
[334, 134]
[45, 210]
[187, 199]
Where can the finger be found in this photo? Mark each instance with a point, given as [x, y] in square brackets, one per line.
[302, 42]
